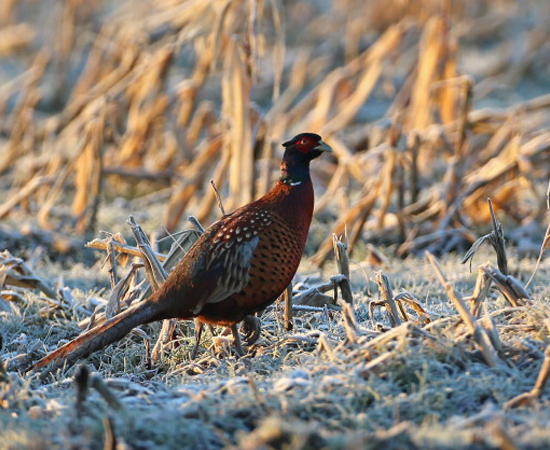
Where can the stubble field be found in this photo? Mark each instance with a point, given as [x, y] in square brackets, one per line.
[438, 114]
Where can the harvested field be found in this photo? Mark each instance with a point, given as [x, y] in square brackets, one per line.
[420, 312]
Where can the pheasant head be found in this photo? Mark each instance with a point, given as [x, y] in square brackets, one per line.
[299, 152]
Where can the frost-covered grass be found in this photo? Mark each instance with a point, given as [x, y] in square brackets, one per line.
[426, 386]
[110, 109]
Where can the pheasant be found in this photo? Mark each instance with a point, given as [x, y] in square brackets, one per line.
[238, 266]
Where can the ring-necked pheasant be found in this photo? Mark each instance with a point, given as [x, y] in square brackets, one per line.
[238, 266]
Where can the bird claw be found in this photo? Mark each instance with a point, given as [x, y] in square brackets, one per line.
[252, 328]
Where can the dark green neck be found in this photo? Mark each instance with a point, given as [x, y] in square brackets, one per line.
[294, 174]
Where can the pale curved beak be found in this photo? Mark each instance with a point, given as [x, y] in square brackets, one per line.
[323, 147]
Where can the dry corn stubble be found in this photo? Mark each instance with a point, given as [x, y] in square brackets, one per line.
[165, 95]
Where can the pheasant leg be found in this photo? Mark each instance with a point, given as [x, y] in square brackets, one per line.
[199, 328]
[237, 341]
[252, 328]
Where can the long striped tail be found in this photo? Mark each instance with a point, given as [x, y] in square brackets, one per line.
[99, 337]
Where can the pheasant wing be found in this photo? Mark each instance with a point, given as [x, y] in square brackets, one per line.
[227, 264]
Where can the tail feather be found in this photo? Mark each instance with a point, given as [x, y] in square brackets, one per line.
[99, 337]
